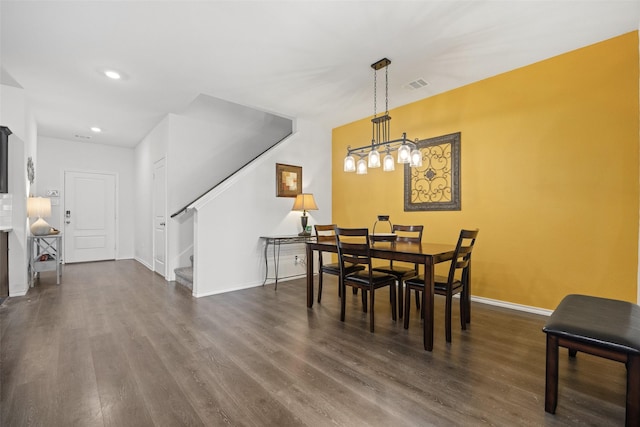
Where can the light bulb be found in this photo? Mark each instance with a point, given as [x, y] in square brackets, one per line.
[404, 154]
[374, 159]
[388, 163]
[349, 164]
[362, 167]
[416, 158]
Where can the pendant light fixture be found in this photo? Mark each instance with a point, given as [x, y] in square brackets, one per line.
[407, 151]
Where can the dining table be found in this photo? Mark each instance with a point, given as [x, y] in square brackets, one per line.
[424, 253]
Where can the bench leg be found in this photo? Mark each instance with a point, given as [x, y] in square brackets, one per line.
[551, 380]
[633, 390]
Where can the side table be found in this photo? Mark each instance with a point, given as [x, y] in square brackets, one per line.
[277, 241]
[45, 254]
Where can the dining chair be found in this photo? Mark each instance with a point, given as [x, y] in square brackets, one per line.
[354, 249]
[326, 233]
[410, 234]
[450, 285]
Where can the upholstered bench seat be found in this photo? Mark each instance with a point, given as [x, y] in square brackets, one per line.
[602, 327]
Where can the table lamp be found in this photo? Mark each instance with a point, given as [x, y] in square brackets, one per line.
[304, 202]
[39, 207]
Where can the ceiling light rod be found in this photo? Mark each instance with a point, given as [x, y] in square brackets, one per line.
[408, 151]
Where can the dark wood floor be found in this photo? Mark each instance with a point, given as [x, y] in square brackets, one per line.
[116, 345]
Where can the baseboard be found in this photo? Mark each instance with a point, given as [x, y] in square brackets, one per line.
[143, 263]
[224, 291]
[512, 306]
[19, 292]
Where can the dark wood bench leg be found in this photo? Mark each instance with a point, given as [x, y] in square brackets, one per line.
[633, 390]
[551, 381]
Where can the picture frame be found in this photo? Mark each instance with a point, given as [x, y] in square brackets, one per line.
[435, 186]
[288, 180]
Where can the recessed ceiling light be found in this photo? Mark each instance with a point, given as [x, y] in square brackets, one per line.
[96, 129]
[112, 74]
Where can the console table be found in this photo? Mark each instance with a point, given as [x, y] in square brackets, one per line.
[45, 254]
[276, 242]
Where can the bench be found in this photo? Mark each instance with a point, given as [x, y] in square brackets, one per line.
[599, 326]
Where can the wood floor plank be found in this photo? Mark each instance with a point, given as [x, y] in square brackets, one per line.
[121, 401]
[116, 345]
[78, 401]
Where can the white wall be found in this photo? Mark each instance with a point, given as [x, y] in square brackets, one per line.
[16, 115]
[213, 139]
[151, 149]
[229, 251]
[58, 155]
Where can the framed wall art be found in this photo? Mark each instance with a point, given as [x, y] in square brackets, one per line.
[288, 180]
[435, 186]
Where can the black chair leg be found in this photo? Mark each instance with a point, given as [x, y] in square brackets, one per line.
[394, 313]
[447, 320]
[320, 287]
[400, 297]
[371, 310]
[463, 313]
[407, 307]
[342, 301]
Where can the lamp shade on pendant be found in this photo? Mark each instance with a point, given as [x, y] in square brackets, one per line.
[304, 202]
[39, 207]
[388, 163]
[349, 164]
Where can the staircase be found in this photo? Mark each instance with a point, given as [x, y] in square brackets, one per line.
[184, 275]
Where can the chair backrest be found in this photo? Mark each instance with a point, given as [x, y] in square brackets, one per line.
[408, 233]
[353, 247]
[462, 254]
[325, 233]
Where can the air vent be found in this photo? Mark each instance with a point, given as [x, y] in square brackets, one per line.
[82, 136]
[416, 84]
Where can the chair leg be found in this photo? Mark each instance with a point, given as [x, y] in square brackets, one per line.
[364, 300]
[407, 307]
[447, 318]
[400, 296]
[371, 310]
[343, 303]
[418, 301]
[394, 313]
[463, 310]
[320, 286]
[633, 390]
[551, 377]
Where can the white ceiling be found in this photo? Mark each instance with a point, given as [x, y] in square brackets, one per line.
[306, 59]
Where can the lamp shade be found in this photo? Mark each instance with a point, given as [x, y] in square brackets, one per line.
[304, 202]
[38, 207]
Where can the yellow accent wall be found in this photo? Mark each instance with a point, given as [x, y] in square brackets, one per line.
[549, 174]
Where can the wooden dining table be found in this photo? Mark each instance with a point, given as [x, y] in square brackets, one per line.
[426, 254]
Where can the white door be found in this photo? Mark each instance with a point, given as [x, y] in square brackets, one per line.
[159, 217]
[89, 216]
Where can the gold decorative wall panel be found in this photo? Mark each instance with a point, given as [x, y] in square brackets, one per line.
[435, 186]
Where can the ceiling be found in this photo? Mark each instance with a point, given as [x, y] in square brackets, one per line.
[299, 59]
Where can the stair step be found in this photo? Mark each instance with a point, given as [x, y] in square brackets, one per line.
[184, 276]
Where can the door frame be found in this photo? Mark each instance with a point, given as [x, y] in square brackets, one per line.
[116, 206]
[166, 227]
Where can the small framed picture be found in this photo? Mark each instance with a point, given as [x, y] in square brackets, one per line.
[288, 180]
